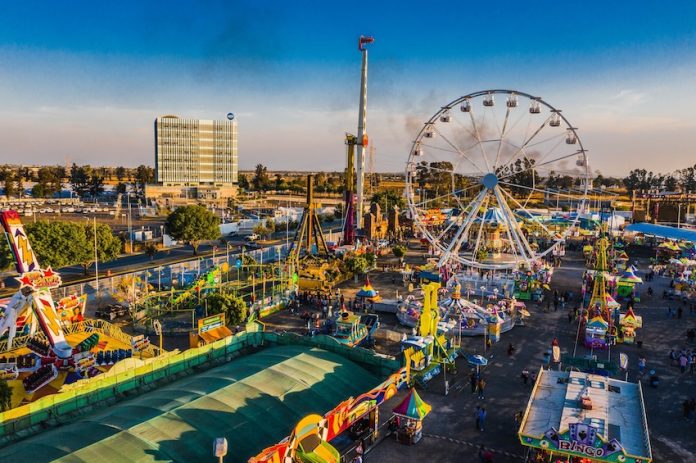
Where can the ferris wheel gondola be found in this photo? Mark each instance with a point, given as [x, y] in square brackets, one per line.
[473, 175]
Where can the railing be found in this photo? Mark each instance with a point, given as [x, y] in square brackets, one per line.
[98, 326]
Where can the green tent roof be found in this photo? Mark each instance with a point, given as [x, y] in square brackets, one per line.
[253, 401]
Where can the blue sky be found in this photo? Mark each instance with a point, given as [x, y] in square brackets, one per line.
[85, 80]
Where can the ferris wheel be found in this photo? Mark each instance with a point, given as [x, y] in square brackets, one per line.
[483, 173]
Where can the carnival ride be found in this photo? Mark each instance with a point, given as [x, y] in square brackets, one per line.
[315, 265]
[488, 168]
[349, 329]
[431, 349]
[57, 345]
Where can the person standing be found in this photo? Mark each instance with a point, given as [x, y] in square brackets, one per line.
[641, 364]
[481, 388]
[525, 376]
[473, 380]
[683, 362]
[477, 415]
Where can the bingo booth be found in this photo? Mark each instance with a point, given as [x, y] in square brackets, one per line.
[576, 417]
[210, 329]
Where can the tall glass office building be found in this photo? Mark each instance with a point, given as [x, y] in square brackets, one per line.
[192, 152]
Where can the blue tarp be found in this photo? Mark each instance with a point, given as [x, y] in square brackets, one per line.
[662, 231]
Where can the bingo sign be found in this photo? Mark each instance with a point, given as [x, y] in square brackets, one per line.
[583, 440]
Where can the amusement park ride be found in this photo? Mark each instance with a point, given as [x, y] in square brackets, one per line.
[48, 351]
[431, 349]
[482, 165]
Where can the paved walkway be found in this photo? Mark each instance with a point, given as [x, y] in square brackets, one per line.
[450, 429]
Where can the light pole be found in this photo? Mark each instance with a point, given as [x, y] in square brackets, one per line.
[96, 262]
[130, 225]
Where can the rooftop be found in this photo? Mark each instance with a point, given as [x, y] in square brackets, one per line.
[617, 408]
[253, 401]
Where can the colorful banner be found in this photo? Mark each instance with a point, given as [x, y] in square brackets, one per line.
[71, 309]
[583, 440]
[340, 418]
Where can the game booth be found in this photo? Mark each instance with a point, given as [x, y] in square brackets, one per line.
[628, 324]
[575, 417]
[626, 285]
[210, 329]
[409, 416]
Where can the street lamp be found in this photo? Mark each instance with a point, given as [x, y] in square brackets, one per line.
[220, 448]
[130, 224]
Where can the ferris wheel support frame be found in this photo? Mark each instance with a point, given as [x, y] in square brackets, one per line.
[498, 173]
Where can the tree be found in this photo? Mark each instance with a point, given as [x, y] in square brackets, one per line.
[96, 185]
[143, 176]
[243, 182]
[5, 395]
[357, 264]
[151, 250]
[58, 244]
[388, 199]
[261, 230]
[260, 180]
[670, 183]
[280, 183]
[19, 184]
[234, 307]
[79, 179]
[121, 188]
[48, 182]
[192, 224]
[6, 259]
[399, 251]
[521, 173]
[120, 173]
[108, 246]
[10, 189]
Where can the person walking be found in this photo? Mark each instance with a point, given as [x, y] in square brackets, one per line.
[683, 361]
[641, 365]
[473, 380]
[481, 388]
[525, 376]
[477, 415]
[482, 418]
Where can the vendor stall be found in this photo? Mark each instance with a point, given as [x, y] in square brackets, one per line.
[409, 416]
[573, 416]
[629, 323]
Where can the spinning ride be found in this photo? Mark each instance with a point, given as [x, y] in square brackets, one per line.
[484, 164]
